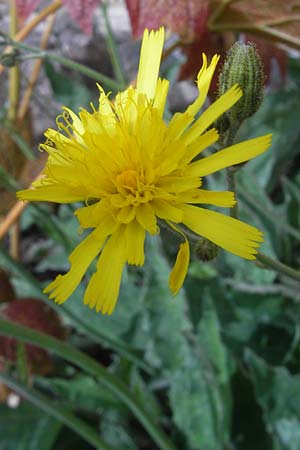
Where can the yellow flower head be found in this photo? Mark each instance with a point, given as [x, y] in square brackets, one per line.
[131, 169]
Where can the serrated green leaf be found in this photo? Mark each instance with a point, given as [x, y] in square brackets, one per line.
[200, 392]
[278, 393]
[27, 428]
[164, 320]
[171, 346]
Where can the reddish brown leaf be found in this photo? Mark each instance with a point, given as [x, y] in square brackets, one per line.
[133, 7]
[185, 17]
[82, 12]
[26, 7]
[203, 29]
[6, 290]
[210, 44]
[35, 314]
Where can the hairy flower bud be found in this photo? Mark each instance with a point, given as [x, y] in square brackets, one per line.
[9, 59]
[244, 67]
[206, 250]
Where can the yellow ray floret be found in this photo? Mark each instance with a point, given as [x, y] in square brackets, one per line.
[133, 171]
[151, 51]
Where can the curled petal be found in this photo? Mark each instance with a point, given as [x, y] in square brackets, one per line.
[179, 271]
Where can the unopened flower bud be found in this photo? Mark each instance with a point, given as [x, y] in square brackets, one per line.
[9, 59]
[206, 250]
[244, 67]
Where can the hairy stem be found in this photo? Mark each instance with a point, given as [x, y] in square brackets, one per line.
[24, 32]
[94, 74]
[278, 266]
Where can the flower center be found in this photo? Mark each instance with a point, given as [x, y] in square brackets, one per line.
[133, 186]
[128, 181]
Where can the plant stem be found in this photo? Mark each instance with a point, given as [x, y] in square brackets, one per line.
[112, 48]
[267, 213]
[278, 266]
[87, 364]
[11, 217]
[36, 69]
[94, 74]
[14, 78]
[59, 412]
[24, 32]
[231, 182]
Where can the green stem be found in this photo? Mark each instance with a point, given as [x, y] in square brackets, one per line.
[112, 48]
[231, 182]
[89, 365]
[278, 266]
[7, 180]
[59, 412]
[98, 336]
[19, 141]
[94, 74]
[22, 364]
[231, 171]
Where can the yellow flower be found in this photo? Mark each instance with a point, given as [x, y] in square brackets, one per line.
[131, 169]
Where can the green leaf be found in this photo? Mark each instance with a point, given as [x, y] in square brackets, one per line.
[27, 428]
[209, 337]
[67, 91]
[160, 329]
[119, 323]
[270, 218]
[278, 393]
[200, 391]
[198, 386]
[82, 392]
[114, 430]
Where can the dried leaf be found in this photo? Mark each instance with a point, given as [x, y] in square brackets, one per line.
[82, 12]
[12, 160]
[35, 314]
[187, 18]
[274, 19]
[4, 391]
